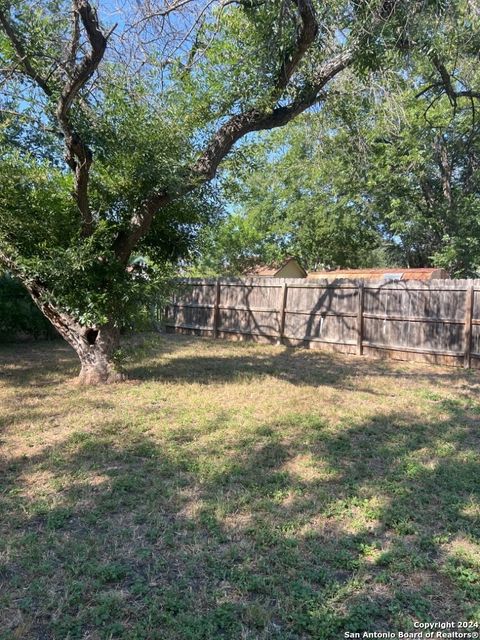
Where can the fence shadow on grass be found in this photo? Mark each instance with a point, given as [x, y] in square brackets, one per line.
[295, 365]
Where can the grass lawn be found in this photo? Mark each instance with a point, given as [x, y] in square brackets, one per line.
[235, 490]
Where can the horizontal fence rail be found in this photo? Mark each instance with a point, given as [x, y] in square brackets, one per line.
[436, 321]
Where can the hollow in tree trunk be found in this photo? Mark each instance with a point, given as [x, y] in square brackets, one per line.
[96, 355]
[95, 346]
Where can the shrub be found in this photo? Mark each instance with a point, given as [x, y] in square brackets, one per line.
[19, 317]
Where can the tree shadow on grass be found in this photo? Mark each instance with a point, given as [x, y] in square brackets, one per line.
[37, 364]
[293, 530]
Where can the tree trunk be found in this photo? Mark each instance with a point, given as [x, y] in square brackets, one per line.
[95, 346]
[97, 357]
[96, 349]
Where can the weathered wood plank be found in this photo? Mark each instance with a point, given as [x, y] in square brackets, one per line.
[468, 328]
[411, 349]
[378, 316]
[360, 304]
[282, 311]
[216, 308]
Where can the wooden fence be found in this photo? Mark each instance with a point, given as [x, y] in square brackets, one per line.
[436, 321]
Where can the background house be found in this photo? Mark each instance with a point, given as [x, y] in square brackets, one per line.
[290, 268]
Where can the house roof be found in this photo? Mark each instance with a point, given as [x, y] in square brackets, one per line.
[398, 273]
[262, 270]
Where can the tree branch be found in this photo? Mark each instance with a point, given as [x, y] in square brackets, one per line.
[446, 82]
[305, 37]
[234, 129]
[22, 55]
[78, 155]
[71, 330]
[225, 138]
[75, 39]
[254, 119]
[445, 167]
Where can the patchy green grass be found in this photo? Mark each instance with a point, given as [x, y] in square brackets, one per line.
[235, 491]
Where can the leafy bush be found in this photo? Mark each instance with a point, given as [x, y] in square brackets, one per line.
[19, 317]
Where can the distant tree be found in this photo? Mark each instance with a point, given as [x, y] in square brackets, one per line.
[416, 165]
[296, 195]
[111, 133]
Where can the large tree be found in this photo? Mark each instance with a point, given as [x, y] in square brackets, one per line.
[112, 126]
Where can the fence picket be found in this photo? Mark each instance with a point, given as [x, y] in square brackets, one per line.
[360, 320]
[468, 327]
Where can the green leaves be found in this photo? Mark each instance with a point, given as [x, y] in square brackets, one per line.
[295, 195]
[36, 207]
[385, 172]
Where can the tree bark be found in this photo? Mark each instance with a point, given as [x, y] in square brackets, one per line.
[95, 349]
[95, 346]
[98, 359]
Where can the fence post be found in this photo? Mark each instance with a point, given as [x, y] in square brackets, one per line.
[283, 306]
[216, 308]
[360, 320]
[467, 333]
